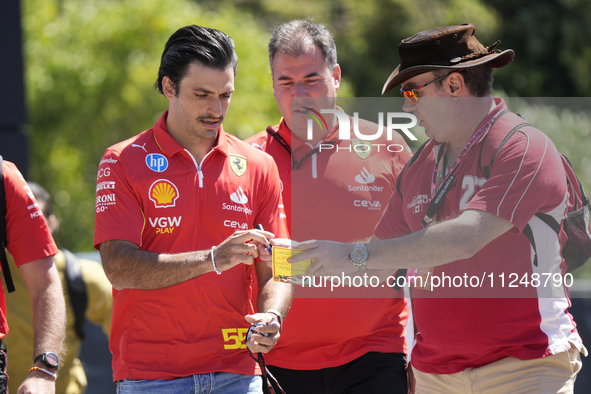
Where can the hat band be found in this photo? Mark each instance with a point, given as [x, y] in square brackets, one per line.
[489, 50]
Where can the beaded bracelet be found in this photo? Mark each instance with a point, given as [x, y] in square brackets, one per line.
[217, 271]
[48, 372]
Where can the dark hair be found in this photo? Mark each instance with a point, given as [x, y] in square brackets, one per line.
[43, 198]
[189, 44]
[298, 36]
[478, 79]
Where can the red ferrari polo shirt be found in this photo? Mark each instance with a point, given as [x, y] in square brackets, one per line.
[337, 194]
[152, 192]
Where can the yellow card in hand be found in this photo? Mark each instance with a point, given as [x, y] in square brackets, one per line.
[285, 272]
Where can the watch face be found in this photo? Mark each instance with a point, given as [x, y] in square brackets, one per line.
[359, 254]
[52, 358]
[49, 359]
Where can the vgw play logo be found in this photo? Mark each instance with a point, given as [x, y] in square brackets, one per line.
[345, 126]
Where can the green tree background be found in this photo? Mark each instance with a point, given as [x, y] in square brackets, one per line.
[91, 64]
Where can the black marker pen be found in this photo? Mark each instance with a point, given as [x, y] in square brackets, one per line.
[260, 227]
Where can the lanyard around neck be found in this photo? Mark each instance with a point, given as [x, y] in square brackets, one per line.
[447, 183]
[295, 164]
[439, 168]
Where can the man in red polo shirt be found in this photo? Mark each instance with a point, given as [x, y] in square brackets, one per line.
[465, 227]
[175, 209]
[333, 189]
[30, 243]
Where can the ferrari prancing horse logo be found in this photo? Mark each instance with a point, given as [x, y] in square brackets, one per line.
[238, 164]
[361, 148]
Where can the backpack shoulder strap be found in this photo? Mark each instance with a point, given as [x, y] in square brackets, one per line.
[3, 240]
[77, 291]
[2, 208]
[515, 121]
[570, 173]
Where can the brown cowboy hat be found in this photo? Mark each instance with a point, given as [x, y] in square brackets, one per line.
[450, 47]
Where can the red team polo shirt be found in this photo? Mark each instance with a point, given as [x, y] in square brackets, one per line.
[339, 195]
[525, 322]
[150, 191]
[28, 237]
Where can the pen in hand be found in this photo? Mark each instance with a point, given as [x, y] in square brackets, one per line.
[260, 227]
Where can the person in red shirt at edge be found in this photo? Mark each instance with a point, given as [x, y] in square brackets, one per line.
[360, 344]
[483, 336]
[30, 243]
[175, 210]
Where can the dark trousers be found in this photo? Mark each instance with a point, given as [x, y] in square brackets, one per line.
[3, 376]
[371, 373]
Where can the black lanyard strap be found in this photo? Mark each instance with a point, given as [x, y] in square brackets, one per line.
[279, 139]
[269, 381]
[295, 164]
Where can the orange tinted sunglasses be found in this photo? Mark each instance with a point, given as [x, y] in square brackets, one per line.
[411, 94]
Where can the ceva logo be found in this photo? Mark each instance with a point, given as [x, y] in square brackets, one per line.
[345, 124]
[236, 225]
[365, 177]
[239, 197]
[367, 204]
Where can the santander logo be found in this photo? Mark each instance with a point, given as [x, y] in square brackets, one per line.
[365, 177]
[239, 197]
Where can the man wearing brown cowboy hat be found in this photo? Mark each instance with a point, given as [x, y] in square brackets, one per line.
[462, 226]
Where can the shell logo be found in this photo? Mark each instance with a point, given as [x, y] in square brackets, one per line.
[164, 193]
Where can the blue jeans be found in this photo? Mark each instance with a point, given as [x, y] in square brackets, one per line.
[208, 383]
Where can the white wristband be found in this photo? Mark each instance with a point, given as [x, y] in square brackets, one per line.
[45, 371]
[217, 271]
[278, 315]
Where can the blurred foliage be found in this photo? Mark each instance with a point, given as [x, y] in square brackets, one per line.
[367, 33]
[91, 65]
[552, 48]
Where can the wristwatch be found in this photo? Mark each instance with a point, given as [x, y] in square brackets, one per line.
[49, 359]
[358, 256]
